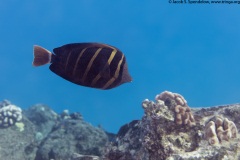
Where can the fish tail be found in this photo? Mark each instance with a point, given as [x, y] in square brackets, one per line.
[41, 56]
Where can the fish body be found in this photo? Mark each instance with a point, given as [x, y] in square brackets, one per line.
[93, 65]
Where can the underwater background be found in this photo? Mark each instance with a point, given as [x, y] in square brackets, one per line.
[192, 49]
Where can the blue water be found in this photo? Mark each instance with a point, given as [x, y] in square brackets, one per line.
[189, 49]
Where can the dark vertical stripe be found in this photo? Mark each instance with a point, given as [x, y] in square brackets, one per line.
[81, 67]
[67, 61]
[95, 79]
[79, 56]
[118, 80]
[109, 62]
[116, 74]
[90, 64]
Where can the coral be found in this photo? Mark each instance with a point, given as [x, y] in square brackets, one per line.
[9, 115]
[20, 126]
[227, 131]
[177, 103]
[211, 134]
[175, 98]
[220, 129]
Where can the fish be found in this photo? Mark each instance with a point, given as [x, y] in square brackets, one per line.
[94, 65]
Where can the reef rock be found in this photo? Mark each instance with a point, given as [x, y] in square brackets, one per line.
[43, 117]
[42, 134]
[70, 137]
[171, 130]
[16, 138]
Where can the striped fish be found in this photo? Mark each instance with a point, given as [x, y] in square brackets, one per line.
[88, 64]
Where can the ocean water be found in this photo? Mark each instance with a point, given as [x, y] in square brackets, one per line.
[191, 49]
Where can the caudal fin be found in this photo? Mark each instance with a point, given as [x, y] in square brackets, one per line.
[41, 56]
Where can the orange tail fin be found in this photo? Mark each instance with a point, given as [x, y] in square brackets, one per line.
[41, 56]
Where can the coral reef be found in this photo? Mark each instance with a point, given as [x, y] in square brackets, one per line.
[169, 129]
[159, 134]
[9, 114]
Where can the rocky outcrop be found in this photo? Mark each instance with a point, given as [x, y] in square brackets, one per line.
[170, 130]
[72, 137]
[17, 141]
[42, 134]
